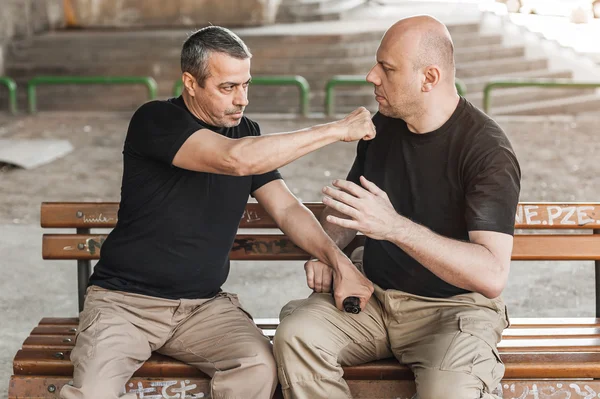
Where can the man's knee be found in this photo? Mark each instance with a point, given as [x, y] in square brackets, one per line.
[297, 329]
[435, 384]
[264, 363]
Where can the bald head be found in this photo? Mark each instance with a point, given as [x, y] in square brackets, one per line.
[424, 40]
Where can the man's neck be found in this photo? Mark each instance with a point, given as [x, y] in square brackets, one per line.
[434, 115]
[193, 107]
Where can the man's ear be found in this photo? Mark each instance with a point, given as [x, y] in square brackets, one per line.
[189, 83]
[433, 75]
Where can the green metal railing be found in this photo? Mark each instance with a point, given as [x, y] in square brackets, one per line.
[359, 80]
[12, 92]
[299, 81]
[546, 83]
[149, 82]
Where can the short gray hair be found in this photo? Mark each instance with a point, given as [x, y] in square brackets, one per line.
[200, 44]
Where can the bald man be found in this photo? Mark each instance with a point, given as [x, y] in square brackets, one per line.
[435, 193]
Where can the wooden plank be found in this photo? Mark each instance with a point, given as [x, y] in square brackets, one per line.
[538, 322]
[556, 247]
[518, 365]
[268, 323]
[279, 247]
[510, 343]
[516, 322]
[576, 215]
[48, 387]
[105, 214]
[79, 214]
[245, 247]
[529, 215]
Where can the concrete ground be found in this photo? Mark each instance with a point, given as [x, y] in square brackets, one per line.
[557, 158]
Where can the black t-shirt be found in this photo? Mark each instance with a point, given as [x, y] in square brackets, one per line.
[461, 177]
[175, 227]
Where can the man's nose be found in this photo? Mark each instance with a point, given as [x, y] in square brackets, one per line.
[372, 76]
[241, 99]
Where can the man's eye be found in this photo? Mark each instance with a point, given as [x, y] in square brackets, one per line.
[228, 88]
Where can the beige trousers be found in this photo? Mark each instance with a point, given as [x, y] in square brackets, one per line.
[118, 332]
[449, 343]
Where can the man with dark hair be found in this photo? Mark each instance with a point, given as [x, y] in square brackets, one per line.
[436, 194]
[190, 164]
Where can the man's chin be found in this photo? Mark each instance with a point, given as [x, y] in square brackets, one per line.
[232, 122]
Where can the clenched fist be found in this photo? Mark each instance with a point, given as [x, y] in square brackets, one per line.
[357, 126]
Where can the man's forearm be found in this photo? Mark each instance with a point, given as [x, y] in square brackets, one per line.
[299, 223]
[463, 264]
[340, 235]
[262, 154]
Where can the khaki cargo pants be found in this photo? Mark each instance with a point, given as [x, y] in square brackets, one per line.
[118, 332]
[450, 343]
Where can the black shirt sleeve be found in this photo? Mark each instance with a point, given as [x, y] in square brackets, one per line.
[492, 192]
[158, 129]
[260, 180]
[358, 167]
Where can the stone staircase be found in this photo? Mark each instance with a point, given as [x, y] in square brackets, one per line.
[316, 10]
[316, 50]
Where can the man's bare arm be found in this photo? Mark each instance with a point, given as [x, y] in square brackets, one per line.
[481, 265]
[207, 151]
[303, 228]
[340, 235]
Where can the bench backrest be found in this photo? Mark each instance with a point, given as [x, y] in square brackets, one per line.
[256, 239]
[259, 246]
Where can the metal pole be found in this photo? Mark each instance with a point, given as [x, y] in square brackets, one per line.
[84, 270]
[597, 271]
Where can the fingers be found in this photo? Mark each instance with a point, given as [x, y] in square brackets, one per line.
[319, 276]
[372, 187]
[327, 279]
[310, 273]
[346, 223]
[341, 207]
[350, 188]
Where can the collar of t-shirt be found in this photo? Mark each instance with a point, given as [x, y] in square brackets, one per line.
[178, 101]
[445, 128]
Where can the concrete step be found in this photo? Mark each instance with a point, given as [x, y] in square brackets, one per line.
[570, 105]
[520, 95]
[324, 10]
[474, 54]
[476, 85]
[499, 66]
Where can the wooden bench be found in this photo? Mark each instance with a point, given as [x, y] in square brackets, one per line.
[544, 358]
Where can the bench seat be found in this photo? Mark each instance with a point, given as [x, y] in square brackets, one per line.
[545, 358]
[560, 353]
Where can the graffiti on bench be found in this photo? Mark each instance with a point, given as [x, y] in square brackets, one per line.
[550, 391]
[97, 219]
[250, 216]
[260, 246]
[165, 390]
[552, 215]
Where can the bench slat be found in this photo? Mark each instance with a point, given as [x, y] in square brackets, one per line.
[529, 215]
[518, 364]
[245, 247]
[516, 322]
[279, 247]
[510, 343]
[268, 323]
[513, 332]
[47, 387]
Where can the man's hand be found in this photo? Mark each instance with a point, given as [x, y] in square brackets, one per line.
[357, 125]
[370, 210]
[319, 276]
[349, 281]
